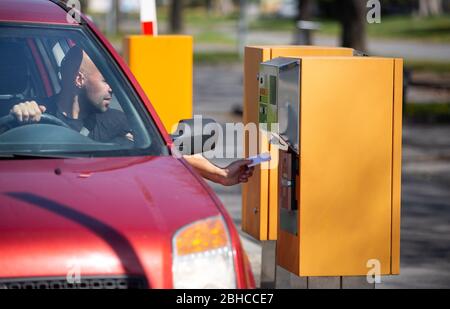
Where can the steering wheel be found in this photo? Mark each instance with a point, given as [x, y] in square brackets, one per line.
[10, 121]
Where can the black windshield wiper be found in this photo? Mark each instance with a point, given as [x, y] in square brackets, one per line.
[28, 156]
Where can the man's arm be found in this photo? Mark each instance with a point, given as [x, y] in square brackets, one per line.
[236, 172]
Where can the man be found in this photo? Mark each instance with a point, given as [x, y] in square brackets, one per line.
[83, 104]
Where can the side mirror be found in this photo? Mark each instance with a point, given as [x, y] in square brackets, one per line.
[196, 135]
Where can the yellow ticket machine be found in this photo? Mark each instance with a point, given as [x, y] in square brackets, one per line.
[260, 194]
[339, 141]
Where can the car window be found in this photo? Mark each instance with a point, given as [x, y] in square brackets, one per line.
[90, 107]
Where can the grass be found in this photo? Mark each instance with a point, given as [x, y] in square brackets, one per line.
[272, 24]
[198, 17]
[212, 29]
[216, 57]
[205, 27]
[213, 37]
[427, 113]
[428, 66]
[431, 29]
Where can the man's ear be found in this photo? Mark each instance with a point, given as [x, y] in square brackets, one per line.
[80, 79]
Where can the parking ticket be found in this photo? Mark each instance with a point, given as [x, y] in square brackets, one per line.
[263, 157]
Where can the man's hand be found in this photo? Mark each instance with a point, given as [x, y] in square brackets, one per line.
[28, 111]
[233, 174]
[237, 172]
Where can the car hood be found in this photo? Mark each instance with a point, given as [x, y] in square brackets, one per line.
[100, 216]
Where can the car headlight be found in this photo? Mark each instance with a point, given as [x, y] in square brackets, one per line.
[203, 256]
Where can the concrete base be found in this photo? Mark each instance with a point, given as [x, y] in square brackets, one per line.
[356, 283]
[268, 264]
[324, 282]
[287, 280]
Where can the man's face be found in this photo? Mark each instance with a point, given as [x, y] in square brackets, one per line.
[97, 91]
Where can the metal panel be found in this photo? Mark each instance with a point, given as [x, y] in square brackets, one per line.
[268, 77]
[279, 97]
[288, 103]
[346, 159]
[287, 196]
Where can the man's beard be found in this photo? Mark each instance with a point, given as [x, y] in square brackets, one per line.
[88, 107]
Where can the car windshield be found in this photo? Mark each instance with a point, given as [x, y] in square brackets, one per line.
[89, 108]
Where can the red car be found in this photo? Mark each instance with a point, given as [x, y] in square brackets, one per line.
[84, 212]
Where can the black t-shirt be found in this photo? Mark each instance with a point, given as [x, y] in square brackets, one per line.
[103, 127]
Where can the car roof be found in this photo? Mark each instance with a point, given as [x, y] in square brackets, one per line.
[34, 11]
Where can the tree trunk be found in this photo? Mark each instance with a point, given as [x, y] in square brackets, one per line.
[242, 27]
[305, 9]
[303, 36]
[209, 5]
[353, 20]
[430, 7]
[176, 16]
[435, 7]
[118, 16]
[83, 6]
[113, 18]
[224, 7]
